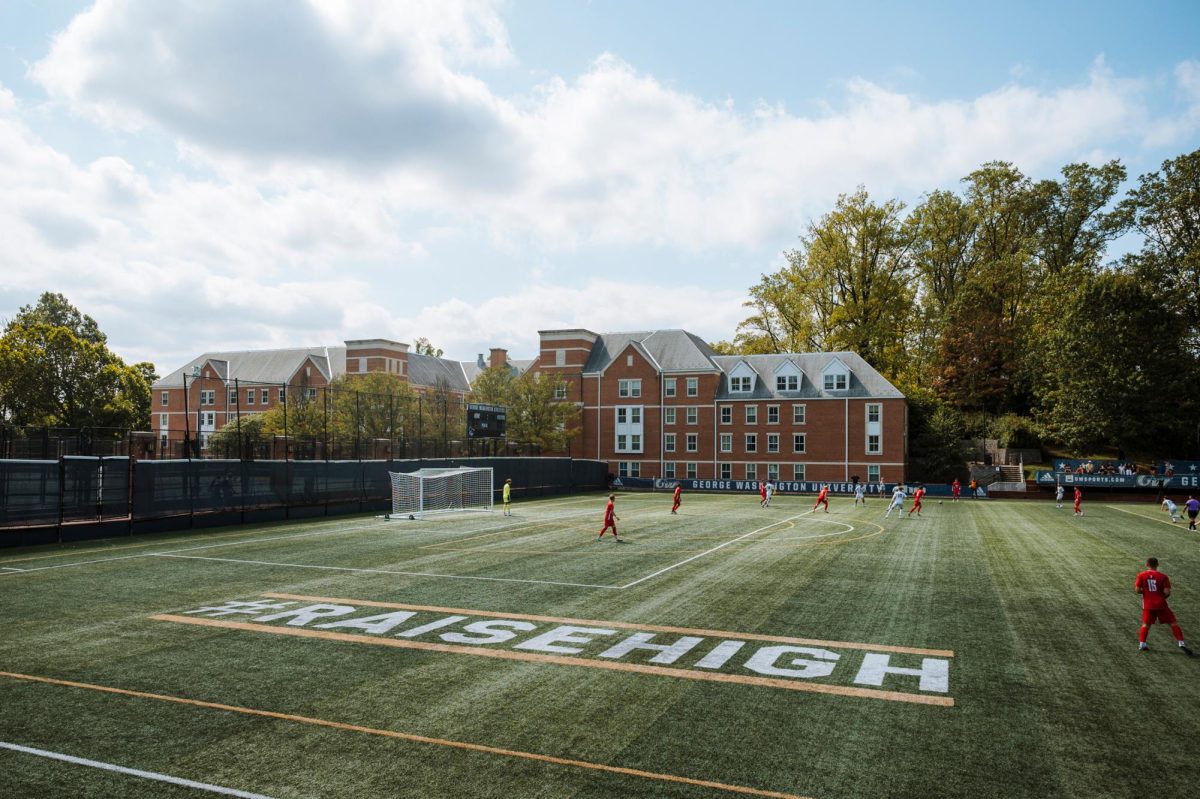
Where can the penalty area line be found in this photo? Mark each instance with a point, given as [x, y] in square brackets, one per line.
[133, 772]
[413, 738]
[714, 549]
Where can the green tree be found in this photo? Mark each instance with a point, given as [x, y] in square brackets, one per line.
[537, 416]
[846, 288]
[56, 370]
[422, 346]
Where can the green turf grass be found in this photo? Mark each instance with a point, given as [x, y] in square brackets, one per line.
[1051, 697]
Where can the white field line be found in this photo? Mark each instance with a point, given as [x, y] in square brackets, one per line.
[382, 571]
[1147, 518]
[10, 569]
[714, 549]
[149, 775]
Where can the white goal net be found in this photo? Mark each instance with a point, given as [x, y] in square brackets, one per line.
[440, 490]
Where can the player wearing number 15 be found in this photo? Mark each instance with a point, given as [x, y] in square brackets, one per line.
[1155, 587]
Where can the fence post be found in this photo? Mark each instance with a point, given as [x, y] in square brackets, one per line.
[62, 490]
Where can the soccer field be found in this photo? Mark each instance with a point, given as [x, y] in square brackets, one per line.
[988, 649]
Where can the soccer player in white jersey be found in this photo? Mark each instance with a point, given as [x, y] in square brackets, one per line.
[859, 495]
[1058, 495]
[1172, 510]
[897, 502]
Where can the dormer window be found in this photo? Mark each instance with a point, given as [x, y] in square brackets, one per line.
[739, 383]
[787, 382]
[836, 381]
[741, 379]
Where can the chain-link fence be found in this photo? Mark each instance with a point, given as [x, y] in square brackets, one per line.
[77, 497]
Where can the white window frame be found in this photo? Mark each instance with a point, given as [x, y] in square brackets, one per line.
[560, 390]
[751, 442]
[743, 384]
[693, 386]
[727, 442]
[691, 471]
[874, 444]
[232, 398]
[798, 472]
[726, 414]
[668, 416]
[165, 399]
[628, 428]
[873, 473]
[669, 470]
[629, 388]
[799, 413]
[800, 442]
[668, 387]
[751, 414]
[836, 381]
[693, 415]
[668, 442]
[772, 442]
[726, 471]
[692, 442]
[787, 383]
[249, 396]
[264, 397]
[772, 414]
[773, 472]
[751, 471]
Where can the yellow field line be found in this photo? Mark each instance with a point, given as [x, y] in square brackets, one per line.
[405, 736]
[622, 625]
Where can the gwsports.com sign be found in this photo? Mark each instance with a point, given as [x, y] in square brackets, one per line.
[840, 668]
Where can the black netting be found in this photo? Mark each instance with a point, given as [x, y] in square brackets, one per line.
[29, 493]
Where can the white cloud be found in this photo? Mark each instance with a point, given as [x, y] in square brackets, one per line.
[334, 156]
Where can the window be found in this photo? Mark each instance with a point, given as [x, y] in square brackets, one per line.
[629, 469]
[210, 419]
[772, 442]
[165, 399]
[250, 396]
[629, 388]
[727, 442]
[560, 357]
[787, 383]
[751, 471]
[751, 414]
[752, 442]
[693, 442]
[873, 474]
[873, 447]
[669, 470]
[668, 416]
[874, 411]
[163, 421]
[310, 393]
[629, 360]
[798, 472]
[668, 442]
[836, 381]
[560, 390]
[798, 414]
[726, 414]
[772, 414]
[798, 442]
[726, 471]
[739, 384]
[693, 415]
[283, 395]
[208, 396]
[691, 471]
[669, 387]
[629, 428]
[265, 396]
[232, 397]
[773, 472]
[693, 386]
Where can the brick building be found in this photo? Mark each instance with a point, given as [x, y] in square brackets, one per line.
[663, 404]
[212, 389]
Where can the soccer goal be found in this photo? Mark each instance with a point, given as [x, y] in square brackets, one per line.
[439, 491]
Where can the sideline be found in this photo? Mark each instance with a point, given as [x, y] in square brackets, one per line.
[133, 772]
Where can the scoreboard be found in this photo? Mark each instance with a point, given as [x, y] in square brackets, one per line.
[485, 421]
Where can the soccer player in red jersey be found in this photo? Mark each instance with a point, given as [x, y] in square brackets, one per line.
[762, 494]
[822, 499]
[916, 506]
[1078, 500]
[956, 489]
[1155, 587]
[675, 499]
[610, 519]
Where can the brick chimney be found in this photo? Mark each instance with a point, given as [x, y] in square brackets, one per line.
[498, 357]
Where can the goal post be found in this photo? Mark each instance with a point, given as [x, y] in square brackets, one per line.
[440, 491]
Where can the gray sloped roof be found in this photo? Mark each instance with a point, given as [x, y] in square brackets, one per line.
[472, 369]
[279, 366]
[864, 381]
[671, 350]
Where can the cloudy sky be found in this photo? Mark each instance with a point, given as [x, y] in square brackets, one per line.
[243, 174]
